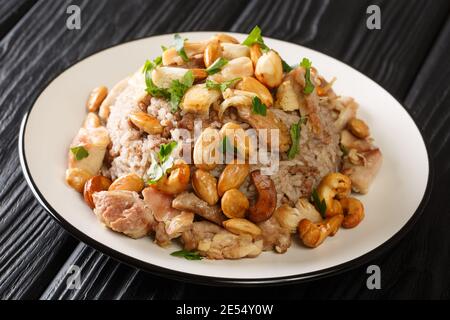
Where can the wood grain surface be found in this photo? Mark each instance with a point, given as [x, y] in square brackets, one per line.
[409, 57]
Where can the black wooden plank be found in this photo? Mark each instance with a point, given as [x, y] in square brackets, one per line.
[11, 11]
[321, 26]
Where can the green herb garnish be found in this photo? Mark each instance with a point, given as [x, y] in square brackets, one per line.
[255, 37]
[225, 146]
[216, 66]
[344, 149]
[179, 46]
[286, 66]
[258, 107]
[188, 255]
[320, 205]
[309, 87]
[178, 88]
[295, 137]
[160, 166]
[79, 152]
[163, 48]
[152, 89]
[221, 86]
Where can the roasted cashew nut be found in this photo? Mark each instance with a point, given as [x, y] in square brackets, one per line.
[313, 234]
[267, 197]
[334, 186]
[353, 211]
[176, 181]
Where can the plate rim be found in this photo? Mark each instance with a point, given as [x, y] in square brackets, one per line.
[210, 280]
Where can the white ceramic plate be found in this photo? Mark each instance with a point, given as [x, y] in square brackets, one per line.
[394, 200]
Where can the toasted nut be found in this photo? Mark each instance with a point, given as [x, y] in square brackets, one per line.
[334, 185]
[96, 98]
[206, 154]
[212, 52]
[205, 186]
[232, 177]
[234, 204]
[242, 226]
[269, 70]
[237, 137]
[359, 128]
[236, 68]
[177, 181]
[252, 85]
[76, 178]
[198, 99]
[255, 53]
[232, 51]
[92, 121]
[171, 57]
[163, 76]
[199, 74]
[353, 212]
[95, 184]
[146, 122]
[267, 197]
[129, 182]
[313, 234]
[226, 38]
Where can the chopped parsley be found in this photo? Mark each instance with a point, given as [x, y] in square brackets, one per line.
[255, 37]
[152, 89]
[309, 87]
[188, 255]
[179, 46]
[286, 66]
[226, 146]
[79, 152]
[295, 137]
[320, 205]
[344, 149]
[258, 107]
[160, 166]
[221, 86]
[217, 66]
[178, 88]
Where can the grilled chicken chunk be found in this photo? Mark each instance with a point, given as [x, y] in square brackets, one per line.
[275, 236]
[191, 203]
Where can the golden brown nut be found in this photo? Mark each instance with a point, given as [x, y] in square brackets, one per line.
[269, 70]
[353, 212]
[313, 234]
[255, 53]
[334, 185]
[226, 38]
[96, 98]
[92, 121]
[267, 197]
[76, 178]
[232, 177]
[198, 99]
[242, 226]
[206, 154]
[212, 52]
[199, 74]
[95, 184]
[129, 182]
[234, 204]
[205, 186]
[359, 128]
[146, 122]
[252, 85]
[177, 180]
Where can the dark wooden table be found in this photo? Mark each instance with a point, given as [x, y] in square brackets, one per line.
[409, 56]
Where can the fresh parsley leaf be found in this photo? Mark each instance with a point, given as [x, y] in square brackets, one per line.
[226, 146]
[178, 88]
[188, 255]
[221, 86]
[258, 107]
[160, 166]
[79, 152]
[295, 137]
[217, 66]
[286, 66]
[152, 89]
[309, 87]
[165, 150]
[163, 48]
[179, 46]
[320, 205]
[255, 37]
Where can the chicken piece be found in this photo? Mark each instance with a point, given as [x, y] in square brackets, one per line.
[191, 203]
[289, 217]
[363, 175]
[123, 211]
[215, 242]
[349, 141]
[236, 68]
[274, 235]
[95, 141]
[288, 95]
[347, 110]
[198, 99]
[171, 222]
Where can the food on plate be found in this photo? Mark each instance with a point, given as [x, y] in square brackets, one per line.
[225, 149]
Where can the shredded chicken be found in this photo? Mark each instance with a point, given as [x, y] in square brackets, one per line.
[275, 236]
